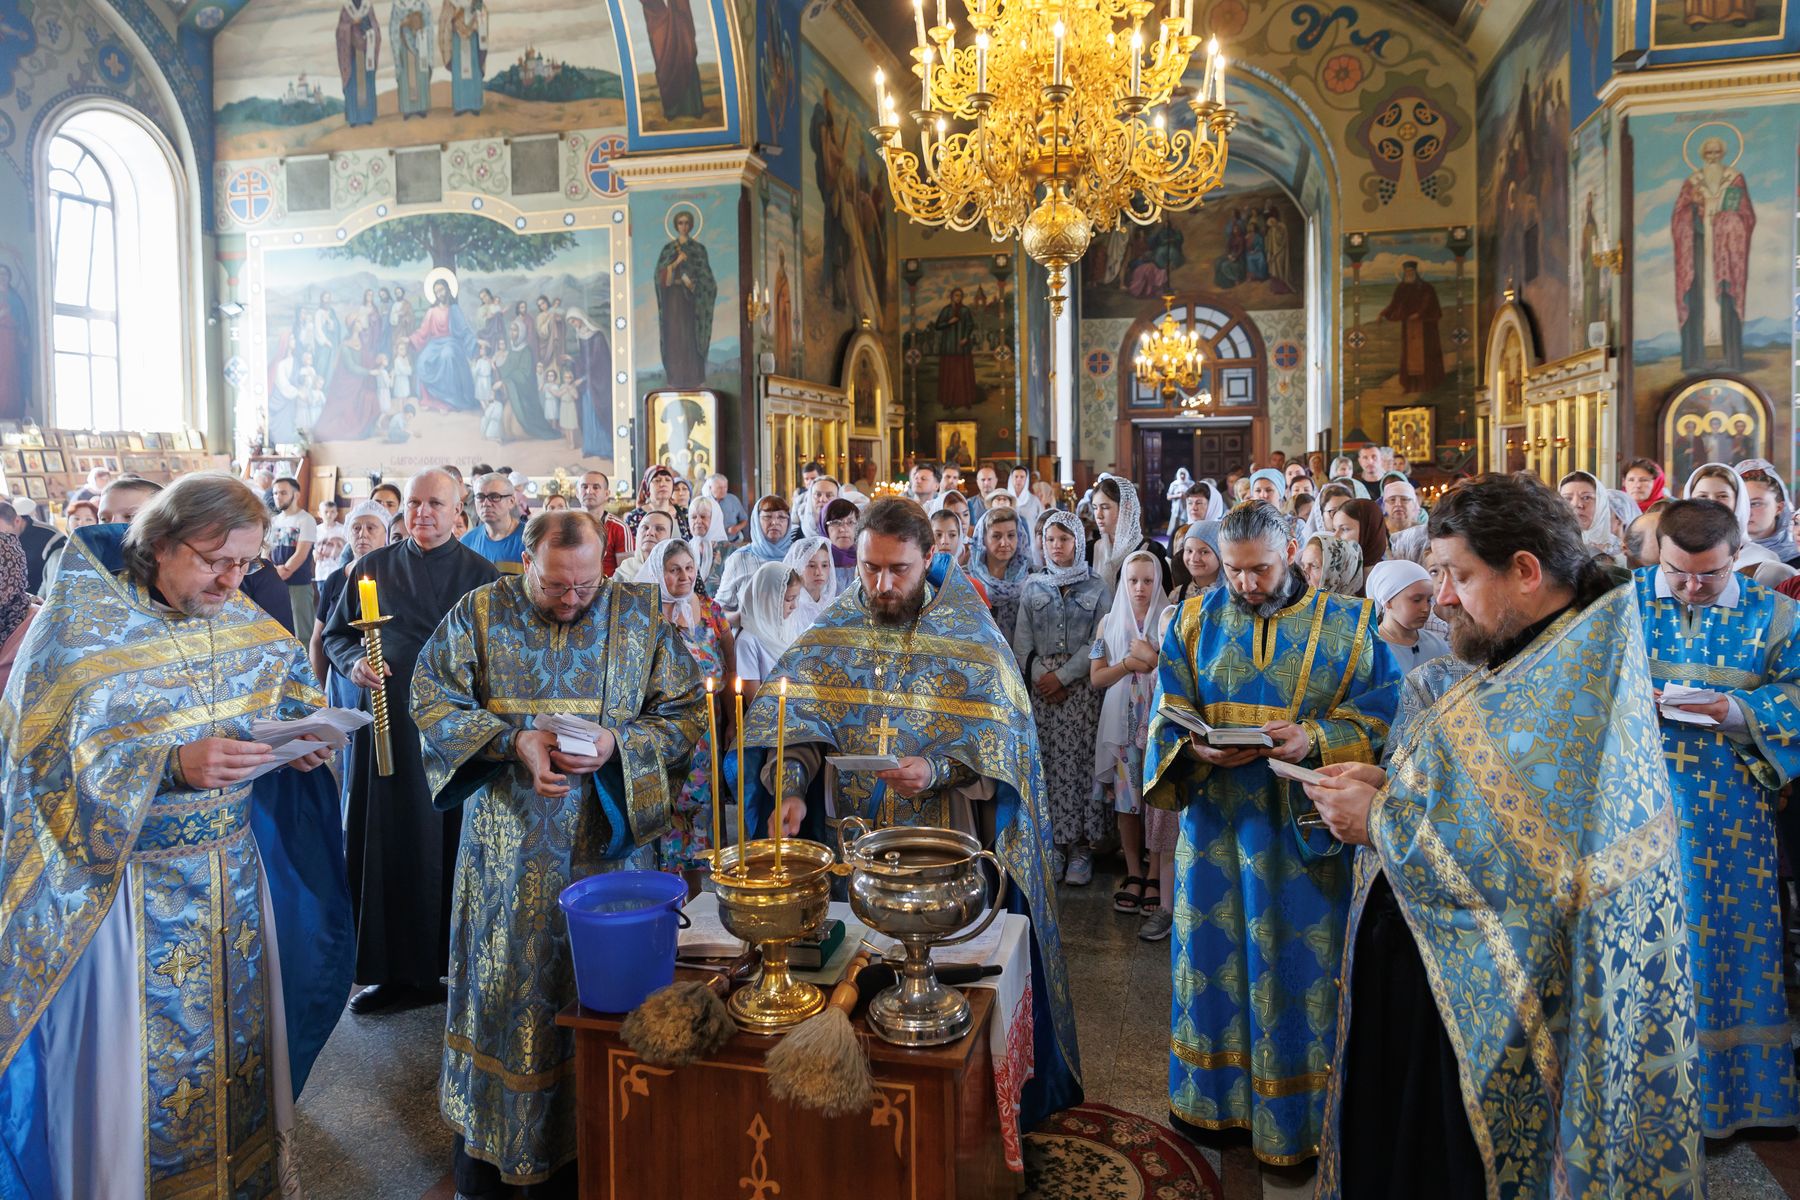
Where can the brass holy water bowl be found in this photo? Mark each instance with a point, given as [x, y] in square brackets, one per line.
[774, 910]
[919, 885]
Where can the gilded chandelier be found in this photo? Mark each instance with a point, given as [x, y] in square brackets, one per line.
[1053, 121]
[1169, 359]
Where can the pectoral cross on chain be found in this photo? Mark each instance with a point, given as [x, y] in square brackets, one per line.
[884, 733]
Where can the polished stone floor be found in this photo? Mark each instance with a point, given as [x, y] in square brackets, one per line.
[369, 1127]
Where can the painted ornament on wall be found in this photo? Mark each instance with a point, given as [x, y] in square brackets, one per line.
[1407, 133]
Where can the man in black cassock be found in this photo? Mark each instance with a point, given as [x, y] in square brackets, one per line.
[401, 849]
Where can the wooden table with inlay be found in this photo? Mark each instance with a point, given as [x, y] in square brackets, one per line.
[711, 1131]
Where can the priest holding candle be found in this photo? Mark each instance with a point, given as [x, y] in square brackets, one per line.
[558, 639]
[401, 850]
[911, 666]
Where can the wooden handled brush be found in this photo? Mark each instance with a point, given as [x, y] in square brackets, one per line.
[820, 1064]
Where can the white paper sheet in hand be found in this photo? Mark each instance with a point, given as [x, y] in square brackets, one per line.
[1681, 693]
[863, 762]
[1687, 718]
[286, 753]
[329, 726]
[574, 735]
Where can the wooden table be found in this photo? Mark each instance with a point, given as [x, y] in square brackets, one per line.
[711, 1131]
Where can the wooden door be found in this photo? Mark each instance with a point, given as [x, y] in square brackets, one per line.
[1219, 452]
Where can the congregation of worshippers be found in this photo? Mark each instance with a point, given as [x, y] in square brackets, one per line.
[1526, 829]
[899, 599]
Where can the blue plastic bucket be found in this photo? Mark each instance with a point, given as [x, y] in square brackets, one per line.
[622, 932]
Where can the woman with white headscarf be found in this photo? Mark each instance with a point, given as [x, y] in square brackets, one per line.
[1059, 613]
[1594, 515]
[810, 559]
[708, 542]
[1719, 483]
[1120, 521]
[673, 568]
[1122, 664]
[763, 636]
[1771, 525]
[1402, 589]
[1025, 501]
[1177, 489]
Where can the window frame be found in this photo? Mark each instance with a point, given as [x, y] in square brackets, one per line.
[187, 348]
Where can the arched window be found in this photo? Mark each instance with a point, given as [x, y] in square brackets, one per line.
[112, 209]
[1233, 350]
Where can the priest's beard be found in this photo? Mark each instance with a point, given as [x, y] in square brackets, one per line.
[563, 611]
[1271, 604]
[1473, 644]
[898, 608]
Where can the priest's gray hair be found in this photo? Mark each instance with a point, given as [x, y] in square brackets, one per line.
[199, 509]
[437, 473]
[1257, 521]
[560, 527]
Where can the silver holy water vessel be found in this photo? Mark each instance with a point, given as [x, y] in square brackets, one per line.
[920, 886]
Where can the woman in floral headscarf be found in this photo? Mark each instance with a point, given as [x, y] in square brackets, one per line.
[1332, 564]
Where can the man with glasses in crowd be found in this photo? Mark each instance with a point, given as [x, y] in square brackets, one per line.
[1408, 537]
[561, 638]
[402, 851]
[500, 538]
[1729, 751]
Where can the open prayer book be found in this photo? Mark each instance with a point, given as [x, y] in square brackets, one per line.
[1213, 735]
[863, 762]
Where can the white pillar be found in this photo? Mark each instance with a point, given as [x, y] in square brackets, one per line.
[1063, 363]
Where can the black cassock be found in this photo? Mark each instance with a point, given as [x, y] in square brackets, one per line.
[401, 849]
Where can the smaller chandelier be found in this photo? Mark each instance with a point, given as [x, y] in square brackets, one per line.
[1169, 359]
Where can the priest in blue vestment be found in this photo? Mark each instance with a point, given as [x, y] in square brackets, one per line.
[909, 662]
[1711, 628]
[561, 638]
[175, 935]
[1259, 898]
[1518, 1013]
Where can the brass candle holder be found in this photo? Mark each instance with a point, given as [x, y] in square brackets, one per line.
[773, 908]
[379, 732]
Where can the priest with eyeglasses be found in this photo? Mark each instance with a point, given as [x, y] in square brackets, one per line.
[402, 850]
[559, 639]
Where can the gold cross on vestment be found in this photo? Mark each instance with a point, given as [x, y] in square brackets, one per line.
[245, 939]
[221, 822]
[178, 964]
[183, 1098]
[884, 733]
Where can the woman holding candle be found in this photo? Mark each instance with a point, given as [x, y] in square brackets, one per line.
[701, 624]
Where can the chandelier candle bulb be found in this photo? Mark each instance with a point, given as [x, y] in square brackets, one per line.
[1137, 62]
[919, 19]
[981, 53]
[925, 98]
[1056, 67]
[1219, 84]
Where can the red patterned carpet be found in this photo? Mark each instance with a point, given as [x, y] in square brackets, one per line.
[1096, 1152]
